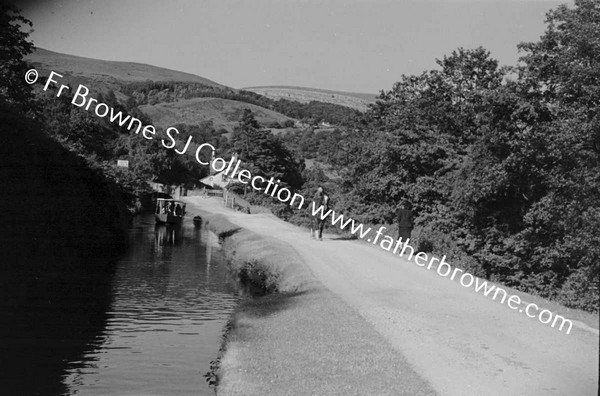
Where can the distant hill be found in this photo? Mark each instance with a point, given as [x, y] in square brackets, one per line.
[102, 76]
[223, 113]
[102, 70]
[358, 101]
[171, 97]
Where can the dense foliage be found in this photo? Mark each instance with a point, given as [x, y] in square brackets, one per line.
[102, 143]
[13, 47]
[266, 155]
[501, 164]
[54, 202]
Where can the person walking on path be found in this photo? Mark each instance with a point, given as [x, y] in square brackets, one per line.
[405, 220]
[317, 224]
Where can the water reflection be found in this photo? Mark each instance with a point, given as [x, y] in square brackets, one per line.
[167, 235]
[151, 327]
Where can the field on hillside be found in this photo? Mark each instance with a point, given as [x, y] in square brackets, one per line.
[223, 113]
[356, 101]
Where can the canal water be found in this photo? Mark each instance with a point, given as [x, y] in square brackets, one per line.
[150, 328]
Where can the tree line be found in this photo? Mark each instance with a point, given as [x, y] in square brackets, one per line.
[501, 164]
[153, 92]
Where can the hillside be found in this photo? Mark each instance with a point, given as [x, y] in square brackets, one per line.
[171, 97]
[109, 71]
[358, 101]
[126, 79]
[224, 113]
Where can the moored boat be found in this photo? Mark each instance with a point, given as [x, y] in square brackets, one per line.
[169, 211]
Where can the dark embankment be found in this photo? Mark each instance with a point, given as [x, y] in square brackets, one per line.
[61, 224]
[52, 201]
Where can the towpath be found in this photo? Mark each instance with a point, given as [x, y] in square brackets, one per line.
[461, 342]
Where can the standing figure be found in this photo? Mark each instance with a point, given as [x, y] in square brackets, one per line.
[317, 224]
[405, 220]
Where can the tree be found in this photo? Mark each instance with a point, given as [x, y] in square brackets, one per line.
[563, 66]
[560, 75]
[527, 191]
[245, 133]
[501, 164]
[264, 153]
[13, 47]
[416, 137]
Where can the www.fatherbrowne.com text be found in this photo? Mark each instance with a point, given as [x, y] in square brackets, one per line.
[443, 269]
[84, 100]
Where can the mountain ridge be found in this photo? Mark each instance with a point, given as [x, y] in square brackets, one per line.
[361, 95]
[354, 100]
[119, 70]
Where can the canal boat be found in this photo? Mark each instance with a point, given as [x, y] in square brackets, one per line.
[169, 211]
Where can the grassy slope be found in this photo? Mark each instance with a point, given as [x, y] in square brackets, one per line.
[223, 112]
[358, 101]
[107, 70]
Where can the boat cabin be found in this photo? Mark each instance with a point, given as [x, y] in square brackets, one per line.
[170, 211]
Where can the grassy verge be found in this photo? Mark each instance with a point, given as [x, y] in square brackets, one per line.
[262, 265]
[261, 268]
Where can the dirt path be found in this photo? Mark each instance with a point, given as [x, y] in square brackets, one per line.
[461, 342]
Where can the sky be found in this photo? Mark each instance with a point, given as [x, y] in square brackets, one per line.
[347, 45]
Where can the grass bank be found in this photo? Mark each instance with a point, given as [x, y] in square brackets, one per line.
[262, 265]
